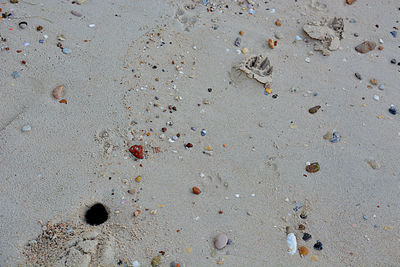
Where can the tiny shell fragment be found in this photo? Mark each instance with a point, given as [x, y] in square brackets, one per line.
[58, 91]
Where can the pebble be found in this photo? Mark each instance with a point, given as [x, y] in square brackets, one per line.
[196, 190]
[92, 25]
[135, 264]
[313, 167]
[138, 179]
[244, 50]
[394, 34]
[335, 137]
[238, 41]
[298, 38]
[350, 2]
[308, 60]
[392, 110]
[303, 251]
[41, 41]
[373, 81]
[365, 47]
[26, 128]
[193, 128]
[381, 87]
[306, 236]
[356, 34]
[203, 132]
[376, 97]
[175, 138]
[221, 240]
[58, 91]
[278, 35]
[67, 51]
[22, 24]
[365, 217]
[314, 109]
[302, 227]
[393, 61]
[15, 74]
[358, 76]
[156, 261]
[318, 245]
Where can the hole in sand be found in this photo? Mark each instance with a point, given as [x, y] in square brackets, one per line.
[96, 214]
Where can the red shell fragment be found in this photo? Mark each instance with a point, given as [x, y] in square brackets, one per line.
[137, 151]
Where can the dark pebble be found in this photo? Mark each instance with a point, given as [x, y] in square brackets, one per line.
[238, 41]
[393, 110]
[393, 61]
[209, 90]
[318, 245]
[275, 96]
[229, 242]
[306, 236]
[303, 215]
[394, 34]
[358, 75]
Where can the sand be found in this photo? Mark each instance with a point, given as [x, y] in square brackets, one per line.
[149, 64]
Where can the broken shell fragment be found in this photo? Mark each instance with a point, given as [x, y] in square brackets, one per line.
[58, 92]
[292, 243]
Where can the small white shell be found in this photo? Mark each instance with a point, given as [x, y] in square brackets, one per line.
[292, 243]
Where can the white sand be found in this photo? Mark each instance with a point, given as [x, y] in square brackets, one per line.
[62, 166]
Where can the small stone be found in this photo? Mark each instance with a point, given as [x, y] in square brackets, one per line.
[238, 41]
[156, 261]
[314, 109]
[203, 132]
[381, 87]
[58, 91]
[365, 47]
[394, 34]
[328, 135]
[392, 110]
[76, 13]
[245, 50]
[278, 22]
[356, 34]
[303, 251]
[15, 74]
[303, 215]
[373, 81]
[67, 51]
[373, 164]
[271, 43]
[132, 191]
[14, 1]
[314, 258]
[221, 240]
[393, 61]
[365, 217]
[358, 76]
[335, 137]
[26, 128]
[318, 245]
[23, 24]
[135, 264]
[302, 227]
[196, 190]
[308, 60]
[306, 236]
[92, 25]
[350, 2]
[313, 167]
[138, 179]
[278, 35]
[376, 97]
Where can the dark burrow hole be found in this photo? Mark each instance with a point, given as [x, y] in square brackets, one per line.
[96, 214]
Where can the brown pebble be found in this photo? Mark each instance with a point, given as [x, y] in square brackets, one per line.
[241, 32]
[314, 109]
[365, 47]
[39, 28]
[373, 81]
[350, 2]
[303, 251]
[278, 22]
[196, 190]
[58, 91]
[132, 191]
[271, 43]
[302, 227]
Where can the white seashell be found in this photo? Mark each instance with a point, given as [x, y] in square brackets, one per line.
[292, 243]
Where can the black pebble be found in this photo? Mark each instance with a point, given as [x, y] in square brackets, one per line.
[306, 236]
[210, 90]
[275, 96]
[318, 245]
[393, 110]
[393, 61]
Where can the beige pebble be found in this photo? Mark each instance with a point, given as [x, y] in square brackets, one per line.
[58, 92]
